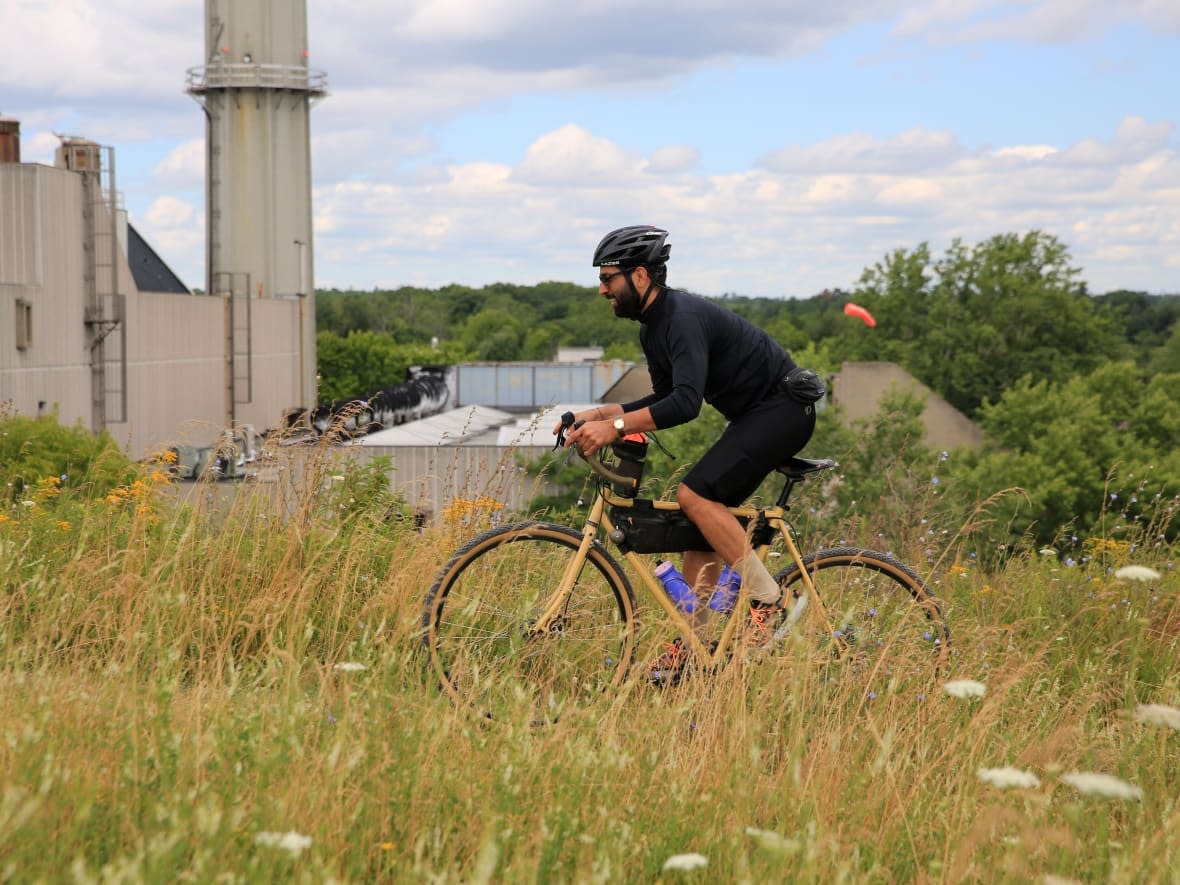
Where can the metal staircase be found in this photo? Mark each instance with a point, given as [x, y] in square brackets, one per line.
[105, 314]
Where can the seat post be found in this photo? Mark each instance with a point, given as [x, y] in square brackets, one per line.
[786, 492]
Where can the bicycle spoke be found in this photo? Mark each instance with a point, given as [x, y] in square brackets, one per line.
[872, 618]
[482, 625]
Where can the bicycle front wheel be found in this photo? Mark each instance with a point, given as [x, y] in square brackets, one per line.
[872, 615]
[479, 624]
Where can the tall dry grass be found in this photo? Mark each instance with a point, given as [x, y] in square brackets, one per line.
[226, 687]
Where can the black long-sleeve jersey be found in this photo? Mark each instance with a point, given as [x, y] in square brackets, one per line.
[697, 350]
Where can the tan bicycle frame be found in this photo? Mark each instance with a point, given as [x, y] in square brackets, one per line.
[598, 518]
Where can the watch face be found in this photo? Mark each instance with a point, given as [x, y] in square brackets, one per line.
[619, 425]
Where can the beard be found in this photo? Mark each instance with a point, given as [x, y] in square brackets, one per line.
[626, 304]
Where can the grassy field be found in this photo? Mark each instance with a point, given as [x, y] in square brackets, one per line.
[200, 693]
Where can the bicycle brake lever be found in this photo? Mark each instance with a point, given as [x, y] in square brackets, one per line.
[567, 419]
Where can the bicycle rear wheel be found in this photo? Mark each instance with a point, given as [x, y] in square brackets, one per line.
[479, 617]
[873, 616]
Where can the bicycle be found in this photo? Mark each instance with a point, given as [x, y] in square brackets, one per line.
[542, 615]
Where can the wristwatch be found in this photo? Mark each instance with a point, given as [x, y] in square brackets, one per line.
[620, 427]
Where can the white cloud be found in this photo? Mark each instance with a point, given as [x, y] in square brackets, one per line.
[1034, 21]
[783, 231]
[184, 167]
[572, 156]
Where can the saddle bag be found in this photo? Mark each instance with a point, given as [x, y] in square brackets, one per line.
[803, 386]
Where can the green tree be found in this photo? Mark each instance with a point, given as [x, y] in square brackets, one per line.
[972, 323]
[1079, 448]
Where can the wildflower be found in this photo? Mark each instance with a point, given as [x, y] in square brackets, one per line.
[1106, 785]
[291, 842]
[349, 667]
[1137, 573]
[1008, 777]
[1158, 714]
[1047, 551]
[4, 517]
[63, 524]
[686, 862]
[964, 688]
[385, 846]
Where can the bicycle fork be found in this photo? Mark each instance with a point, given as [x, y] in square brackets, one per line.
[556, 603]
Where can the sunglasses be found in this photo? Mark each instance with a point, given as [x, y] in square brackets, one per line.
[605, 278]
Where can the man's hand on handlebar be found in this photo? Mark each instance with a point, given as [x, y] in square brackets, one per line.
[582, 430]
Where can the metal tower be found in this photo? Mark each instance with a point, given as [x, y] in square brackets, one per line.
[257, 92]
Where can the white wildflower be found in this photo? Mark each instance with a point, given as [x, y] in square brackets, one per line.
[964, 688]
[1008, 777]
[1050, 879]
[1137, 573]
[1106, 785]
[291, 842]
[1047, 551]
[1158, 714]
[349, 667]
[772, 841]
[686, 863]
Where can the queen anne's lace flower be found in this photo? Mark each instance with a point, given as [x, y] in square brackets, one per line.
[686, 862]
[1137, 573]
[1106, 785]
[291, 842]
[1158, 714]
[1008, 777]
[964, 688]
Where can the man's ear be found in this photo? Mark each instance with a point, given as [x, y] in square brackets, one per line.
[640, 278]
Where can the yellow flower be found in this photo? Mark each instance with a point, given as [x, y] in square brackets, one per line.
[63, 524]
[159, 476]
[385, 846]
[168, 456]
[4, 517]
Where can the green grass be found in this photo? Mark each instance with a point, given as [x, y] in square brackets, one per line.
[170, 689]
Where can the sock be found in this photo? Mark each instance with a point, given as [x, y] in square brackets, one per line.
[763, 588]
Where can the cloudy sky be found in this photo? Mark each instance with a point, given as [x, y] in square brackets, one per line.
[786, 144]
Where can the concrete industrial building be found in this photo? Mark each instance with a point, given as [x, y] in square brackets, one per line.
[94, 326]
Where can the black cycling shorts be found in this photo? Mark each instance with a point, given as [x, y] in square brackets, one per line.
[750, 447]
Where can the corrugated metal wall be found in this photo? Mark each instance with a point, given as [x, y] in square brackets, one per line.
[176, 344]
[527, 386]
[41, 264]
[431, 478]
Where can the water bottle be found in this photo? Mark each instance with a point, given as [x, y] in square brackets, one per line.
[677, 588]
[726, 592]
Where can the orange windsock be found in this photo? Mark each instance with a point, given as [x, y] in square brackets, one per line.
[855, 310]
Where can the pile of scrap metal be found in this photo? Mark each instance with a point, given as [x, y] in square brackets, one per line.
[233, 457]
[425, 393]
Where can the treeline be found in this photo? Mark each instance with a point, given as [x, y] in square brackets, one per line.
[1078, 394]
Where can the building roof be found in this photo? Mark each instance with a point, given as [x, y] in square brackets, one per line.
[475, 426]
[457, 427]
[149, 270]
[537, 430]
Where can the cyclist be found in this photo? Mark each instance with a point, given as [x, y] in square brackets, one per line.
[698, 351]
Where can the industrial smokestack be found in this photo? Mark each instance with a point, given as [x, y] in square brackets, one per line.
[9, 140]
[257, 90]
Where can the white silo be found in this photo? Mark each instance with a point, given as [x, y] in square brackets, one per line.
[257, 91]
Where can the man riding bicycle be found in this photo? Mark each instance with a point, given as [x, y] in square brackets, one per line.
[698, 351]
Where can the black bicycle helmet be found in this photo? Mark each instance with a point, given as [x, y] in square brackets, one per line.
[639, 244]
